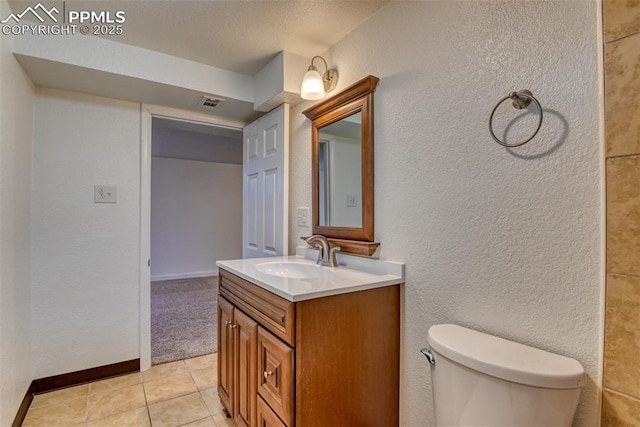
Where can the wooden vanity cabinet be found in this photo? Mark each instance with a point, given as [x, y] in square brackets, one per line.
[246, 335]
[330, 361]
[237, 341]
[226, 353]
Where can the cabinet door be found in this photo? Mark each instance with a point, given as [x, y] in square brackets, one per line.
[225, 353]
[246, 352]
[266, 417]
[275, 374]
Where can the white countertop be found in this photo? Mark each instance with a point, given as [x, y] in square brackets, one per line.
[353, 274]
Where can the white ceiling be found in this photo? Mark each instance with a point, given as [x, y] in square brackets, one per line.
[236, 35]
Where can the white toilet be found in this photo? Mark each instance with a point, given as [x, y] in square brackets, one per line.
[482, 380]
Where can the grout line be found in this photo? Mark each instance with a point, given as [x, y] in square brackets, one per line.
[86, 411]
[623, 275]
[205, 418]
[619, 393]
[199, 419]
[144, 391]
[622, 156]
[149, 415]
[622, 38]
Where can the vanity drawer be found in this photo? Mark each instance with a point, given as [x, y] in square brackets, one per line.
[275, 375]
[266, 416]
[274, 313]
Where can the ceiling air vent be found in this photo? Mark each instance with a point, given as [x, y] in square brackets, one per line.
[209, 102]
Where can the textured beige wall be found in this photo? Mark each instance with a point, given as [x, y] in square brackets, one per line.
[621, 396]
[16, 136]
[84, 256]
[504, 241]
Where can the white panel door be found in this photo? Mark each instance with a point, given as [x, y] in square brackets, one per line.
[265, 185]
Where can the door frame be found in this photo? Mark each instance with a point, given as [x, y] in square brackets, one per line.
[147, 113]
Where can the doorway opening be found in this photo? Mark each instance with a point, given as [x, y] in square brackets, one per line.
[195, 211]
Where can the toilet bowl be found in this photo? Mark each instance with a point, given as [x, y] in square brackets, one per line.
[482, 380]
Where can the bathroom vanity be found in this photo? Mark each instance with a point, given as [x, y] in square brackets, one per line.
[304, 345]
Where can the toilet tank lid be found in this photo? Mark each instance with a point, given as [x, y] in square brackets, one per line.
[505, 359]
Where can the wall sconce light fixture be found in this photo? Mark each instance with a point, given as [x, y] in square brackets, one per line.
[314, 86]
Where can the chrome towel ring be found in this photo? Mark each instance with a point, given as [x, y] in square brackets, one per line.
[520, 100]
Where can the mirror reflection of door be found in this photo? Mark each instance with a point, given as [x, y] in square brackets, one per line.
[340, 172]
[323, 182]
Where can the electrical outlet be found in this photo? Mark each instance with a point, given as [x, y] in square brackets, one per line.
[351, 200]
[105, 193]
[303, 217]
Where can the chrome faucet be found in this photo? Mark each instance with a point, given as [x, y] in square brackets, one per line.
[326, 254]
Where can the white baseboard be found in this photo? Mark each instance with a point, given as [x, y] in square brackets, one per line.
[162, 277]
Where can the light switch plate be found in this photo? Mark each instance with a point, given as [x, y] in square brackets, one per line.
[303, 217]
[351, 200]
[105, 193]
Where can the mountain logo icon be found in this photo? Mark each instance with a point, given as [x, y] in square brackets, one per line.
[34, 11]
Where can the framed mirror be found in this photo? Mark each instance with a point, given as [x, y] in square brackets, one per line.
[342, 167]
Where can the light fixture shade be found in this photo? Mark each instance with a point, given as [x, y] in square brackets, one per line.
[312, 86]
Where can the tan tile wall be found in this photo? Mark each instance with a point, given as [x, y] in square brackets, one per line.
[621, 395]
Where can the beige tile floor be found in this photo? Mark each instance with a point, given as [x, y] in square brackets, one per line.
[174, 394]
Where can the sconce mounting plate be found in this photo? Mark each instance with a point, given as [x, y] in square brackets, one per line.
[330, 79]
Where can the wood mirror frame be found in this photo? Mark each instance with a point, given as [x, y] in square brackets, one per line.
[356, 98]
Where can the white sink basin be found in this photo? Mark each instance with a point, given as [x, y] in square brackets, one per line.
[293, 270]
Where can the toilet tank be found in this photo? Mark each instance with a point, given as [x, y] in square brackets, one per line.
[482, 380]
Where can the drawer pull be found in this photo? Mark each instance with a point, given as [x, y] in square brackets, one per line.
[267, 374]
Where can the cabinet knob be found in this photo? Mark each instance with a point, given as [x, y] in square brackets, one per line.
[267, 374]
[233, 326]
[228, 322]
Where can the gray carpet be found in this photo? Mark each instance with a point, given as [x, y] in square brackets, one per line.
[183, 319]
